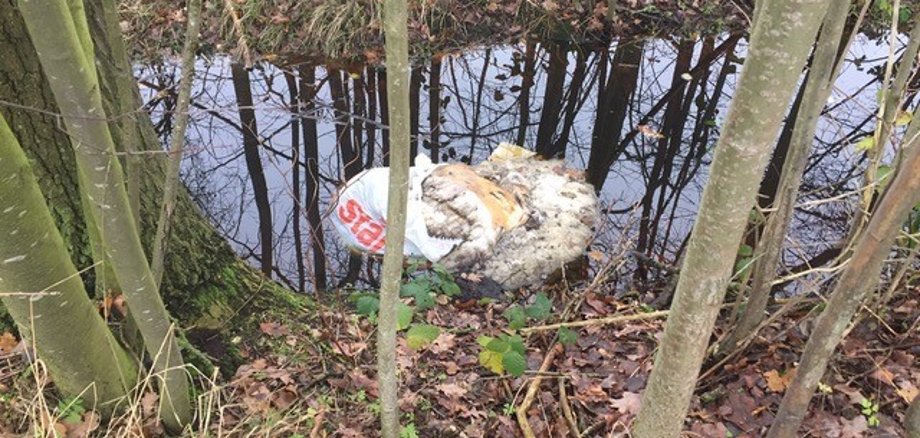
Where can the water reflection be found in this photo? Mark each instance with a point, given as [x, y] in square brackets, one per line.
[642, 117]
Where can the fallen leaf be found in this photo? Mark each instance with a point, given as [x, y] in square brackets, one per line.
[777, 382]
[274, 329]
[452, 389]
[7, 343]
[628, 404]
[907, 391]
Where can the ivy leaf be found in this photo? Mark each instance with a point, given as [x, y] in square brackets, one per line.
[420, 335]
[404, 314]
[515, 363]
[492, 360]
[567, 336]
[516, 317]
[368, 305]
[541, 307]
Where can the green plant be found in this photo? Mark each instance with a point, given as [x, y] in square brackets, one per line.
[503, 353]
[517, 316]
[71, 409]
[869, 409]
[408, 431]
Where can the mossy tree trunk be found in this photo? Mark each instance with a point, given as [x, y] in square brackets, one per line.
[34, 261]
[68, 59]
[778, 50]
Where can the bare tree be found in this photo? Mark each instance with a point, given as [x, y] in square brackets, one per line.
[860, 277]
[397, 55]
[825, 65]
[251, 146]
[778, 51]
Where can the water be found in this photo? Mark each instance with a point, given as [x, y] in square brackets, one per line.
[653, 178]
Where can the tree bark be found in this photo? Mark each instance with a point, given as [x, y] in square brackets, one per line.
[527, 81]
[777, 53]
[251, 146]
[912, 419]
[397, 55]
[572, 103]
[817, 89]
[552, 99]
[67, 58]
[34, 261]
[434, 109]
[171, 185]
[611, 115]
[860, 277]
[296, 105]
[311, 158]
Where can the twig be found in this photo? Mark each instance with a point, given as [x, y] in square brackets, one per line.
[567, 410]
[598, 321]
[318, 424]
[521, 411]
[240, 33]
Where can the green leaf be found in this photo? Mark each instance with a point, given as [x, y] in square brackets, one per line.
[516, 317]
[516, 343]
[415, 287]
[904, 118]
[745, 251]
[368, 305]
[492, 361]
[450, 288]
[541, 307]
[743, 265]
[424, 301]
[567, 336]
[420, 335]
[711, 123]
[883, 175]
[408, 431]
[404, 314]
[865, 144]
[484, 340]
[498, 346]
[515, 363]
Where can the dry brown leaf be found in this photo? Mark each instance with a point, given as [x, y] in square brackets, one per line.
[452, 389]
[8, 342]
[907, 391]
[777, 382]
[628, 404]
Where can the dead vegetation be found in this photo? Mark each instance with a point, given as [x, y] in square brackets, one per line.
[351, 31]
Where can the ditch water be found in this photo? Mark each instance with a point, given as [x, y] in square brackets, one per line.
[642, 117]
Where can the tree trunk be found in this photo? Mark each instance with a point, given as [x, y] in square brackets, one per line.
[68, 60]
[372, 116]
[415, 87]
[33, 260]
[527, 81]
[171, 186]
[860, 277]
[552, 99]
[397, 55]
[351, 161]
[251, 146]
[572, 103]
[778, 50]
[912, 419]
[295, 105]
[434, 109]
[204, 282]
[817, 88]
[311, 158]
[384, 116]
[608, 126]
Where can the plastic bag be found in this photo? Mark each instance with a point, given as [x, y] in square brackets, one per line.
[361, 211]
